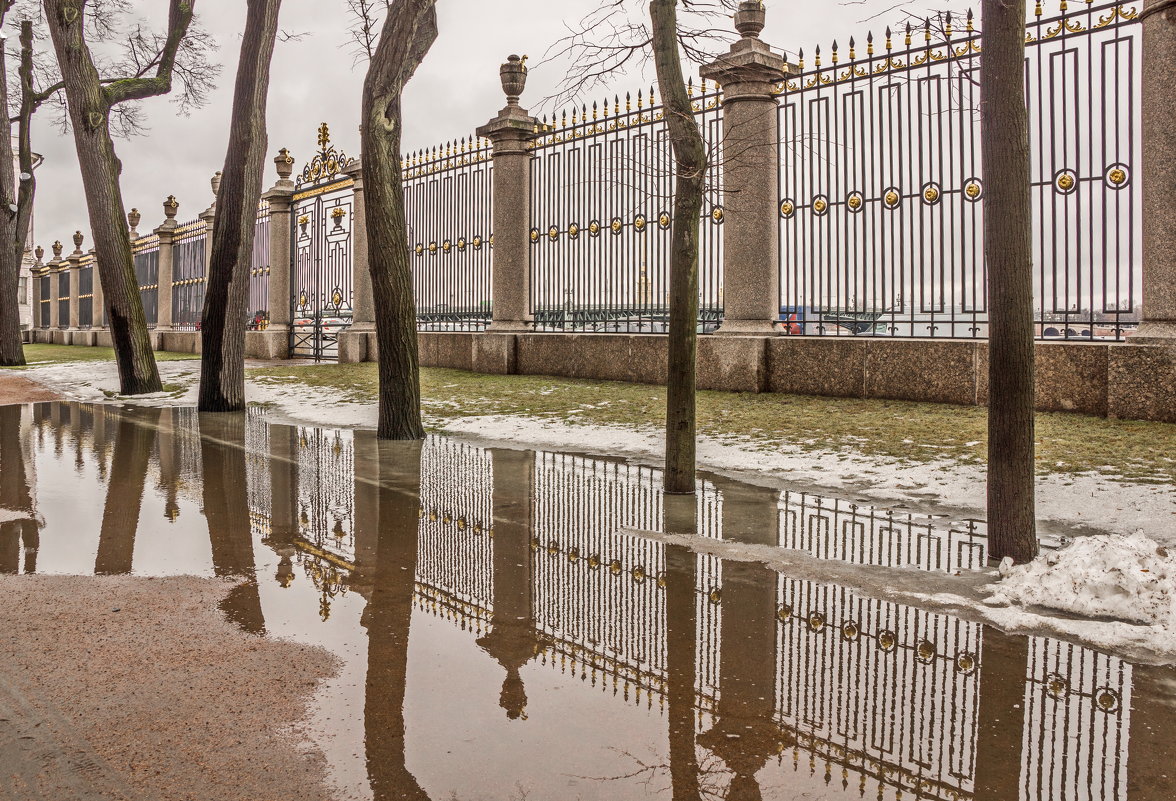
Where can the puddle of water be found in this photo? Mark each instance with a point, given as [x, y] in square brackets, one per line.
[506, 631]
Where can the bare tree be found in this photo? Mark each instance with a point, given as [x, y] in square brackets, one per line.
[222, 361]
[408, 32]
[18, 207]
[1008, 251]
[151, 66]
[609, 40]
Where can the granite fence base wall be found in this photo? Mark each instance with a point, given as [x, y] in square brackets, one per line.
[1118, 380]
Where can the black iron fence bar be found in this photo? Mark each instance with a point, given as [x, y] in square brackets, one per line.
[46, 299]
[145, 252]
[259, 271]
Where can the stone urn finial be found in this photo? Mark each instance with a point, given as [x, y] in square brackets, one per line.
[57, 247]
[78, 239]
[285, 164]
[514, 78]
[216, 181]
[39, 253]
[171, 207]
[751, 18]
[133, 218]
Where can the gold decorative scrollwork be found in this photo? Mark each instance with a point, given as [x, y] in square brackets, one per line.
[326, 163]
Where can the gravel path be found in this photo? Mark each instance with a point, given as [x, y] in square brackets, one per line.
[18, 389]
[137, 689]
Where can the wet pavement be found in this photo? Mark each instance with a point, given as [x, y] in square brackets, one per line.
[506, 630]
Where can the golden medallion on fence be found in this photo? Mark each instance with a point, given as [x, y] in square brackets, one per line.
[420, 249]
[973, 189]
[965, 662]
[594, 228]
[574, 231]
[461, 243]
[446, 246]
[787, 208]
[535, 234]
[931, 193]
[1117, 176]
[433, 248]
[891, 198]
[553, 233]
[477, 242]
[855, 201]
[1066, 181]
[820, 205]
[784, 613]
[664, 220]
[616, 225]
[717, 214]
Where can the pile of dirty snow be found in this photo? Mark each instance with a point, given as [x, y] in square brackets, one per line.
[1130, 579]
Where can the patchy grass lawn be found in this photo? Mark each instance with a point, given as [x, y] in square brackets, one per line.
[902, 430]
[43, 355]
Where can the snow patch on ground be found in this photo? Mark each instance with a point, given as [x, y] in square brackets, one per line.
[1130, 579]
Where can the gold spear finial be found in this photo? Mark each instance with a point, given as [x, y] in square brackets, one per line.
[324, 136]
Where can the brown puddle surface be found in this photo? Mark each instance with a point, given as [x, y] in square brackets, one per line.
[503, 634]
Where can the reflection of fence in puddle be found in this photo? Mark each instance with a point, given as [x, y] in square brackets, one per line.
[887, 692]
[863, 534]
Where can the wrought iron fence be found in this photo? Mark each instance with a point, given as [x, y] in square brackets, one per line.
[601, 206]
[189, 279]
[45, 300]
[146, 257]
[63, 282]
[449, 209]
[881, 224]
[86, 311]
[259, 270]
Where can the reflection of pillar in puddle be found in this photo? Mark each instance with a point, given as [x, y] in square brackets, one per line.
[169, 466]
[681, 644]
[387, 618]
[1004, 671]
[283, 470]
[513, 640]
[366, 513]
[1151, 760]
[16, 497]
[744, 735]
[226, 508]
[134, 439]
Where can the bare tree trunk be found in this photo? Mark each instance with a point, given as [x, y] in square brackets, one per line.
[1004, 671]
[409, 31]
[90, 103]
[1008, 249]
[690, 161]
[14, 225]
[222, 330]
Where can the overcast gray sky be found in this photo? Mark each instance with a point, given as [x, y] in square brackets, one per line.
[314, 81]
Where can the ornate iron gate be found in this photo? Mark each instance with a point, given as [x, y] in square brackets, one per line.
[321, 290]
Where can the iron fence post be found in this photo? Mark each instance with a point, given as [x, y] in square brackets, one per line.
[750, 158]
[511, 134]
[1158, 120]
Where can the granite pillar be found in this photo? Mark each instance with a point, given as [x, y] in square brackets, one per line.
[53, 268]
[748, 75]
[511, 134]
[280, 199]
[166, 234]
[75, 302]
[1158, 175]
[98, 299]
